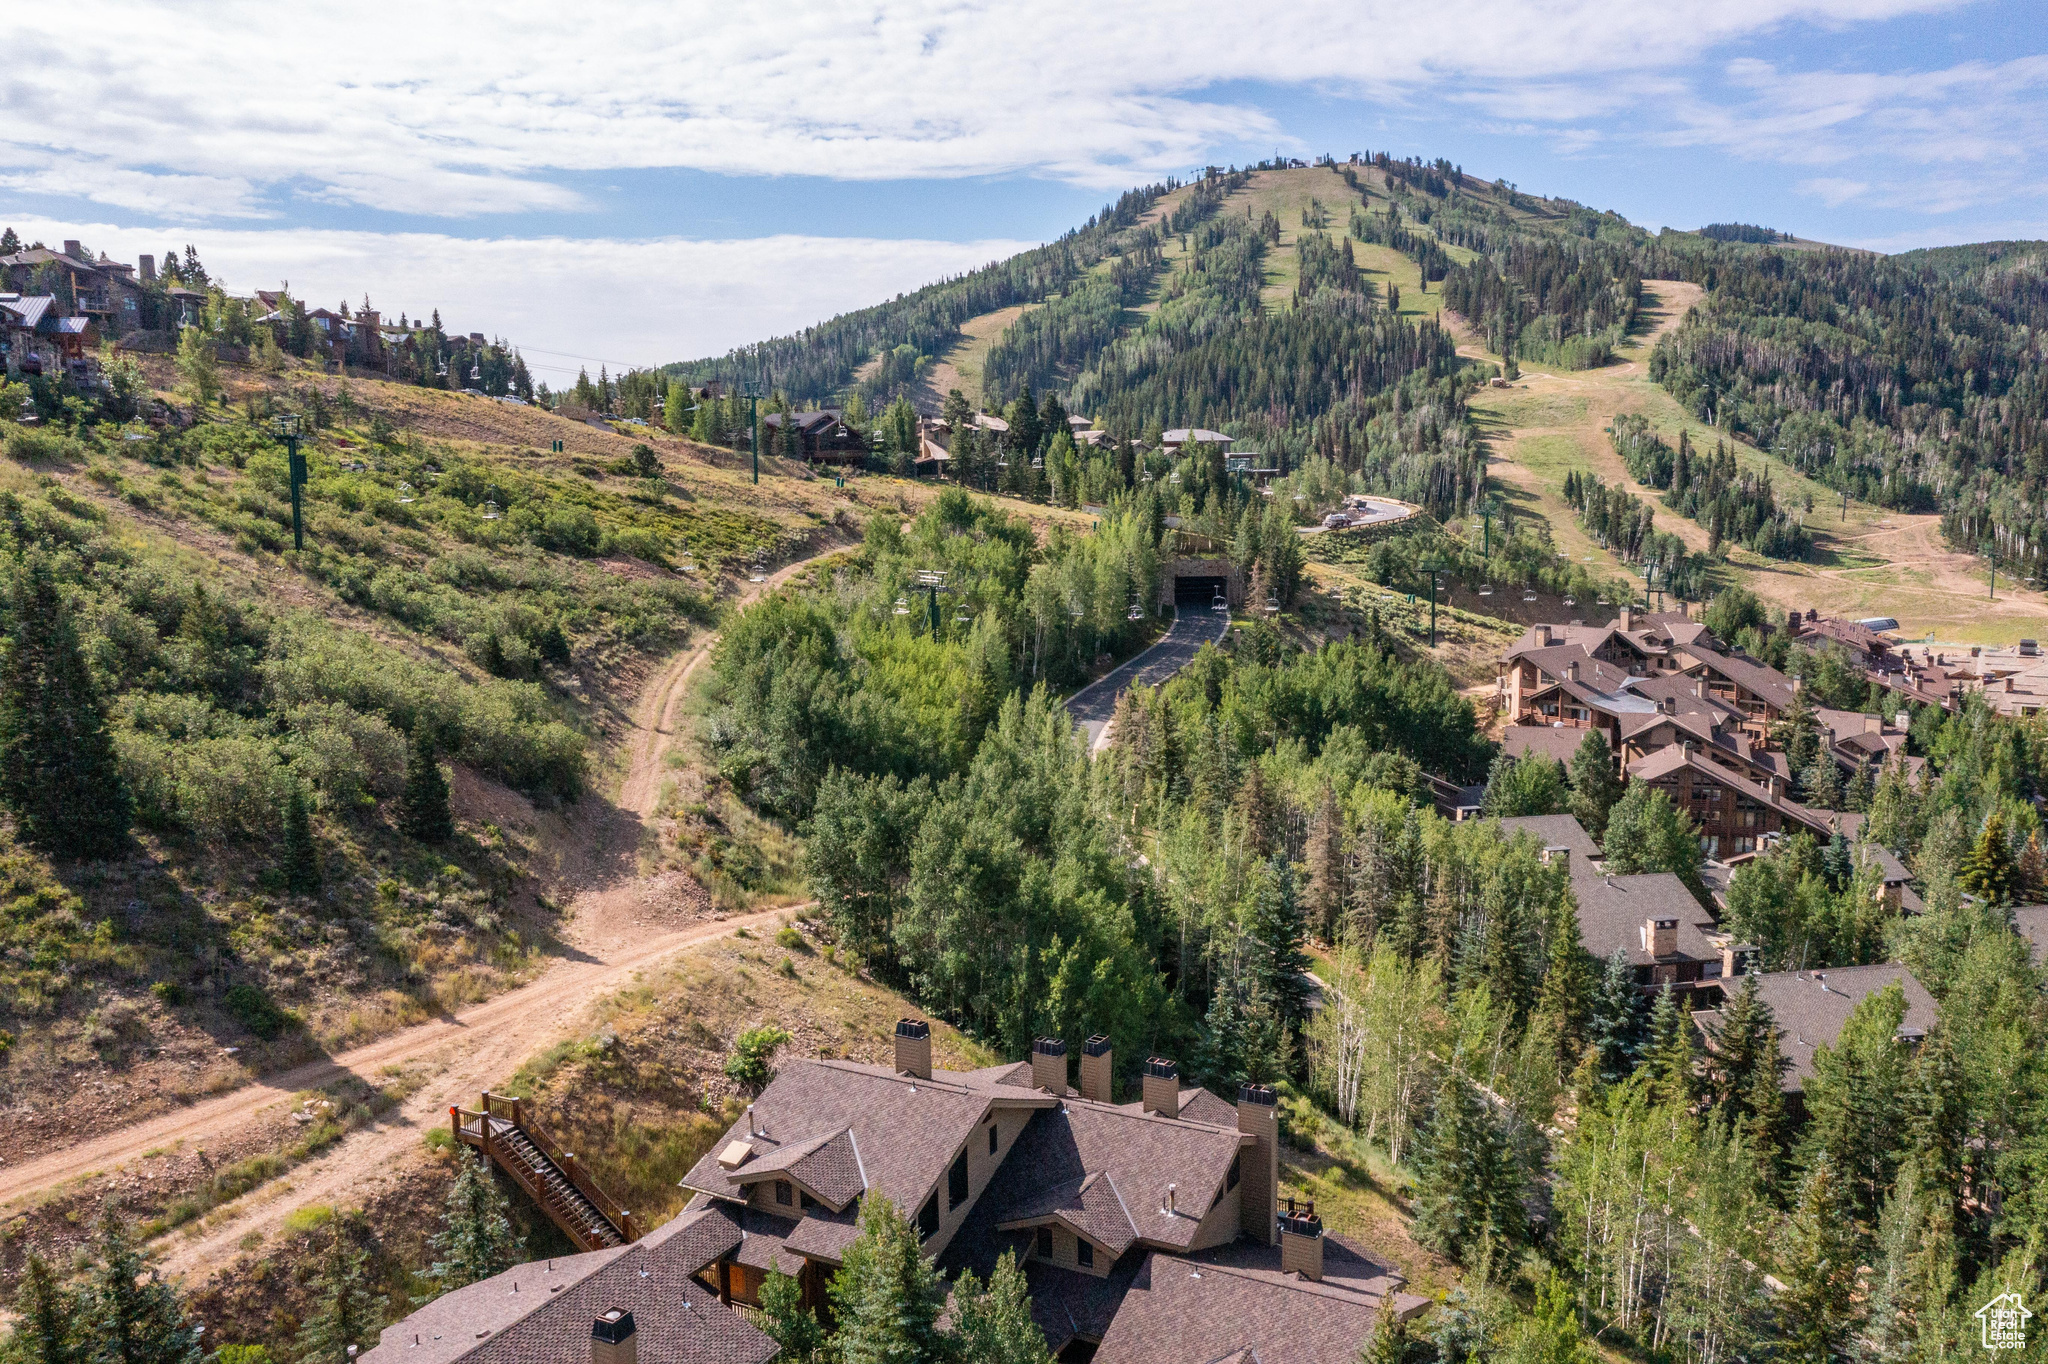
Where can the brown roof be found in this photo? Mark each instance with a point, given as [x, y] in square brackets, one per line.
[1774, 688]
[1812, 1006]
[2031, 922]
[828, 1165]
[1088, 1206]
[541, 1313]
[1554, 831]
[1550, 741]
[1667, 761]
[1233, 1302]
[1613, 911]
[903, 1131]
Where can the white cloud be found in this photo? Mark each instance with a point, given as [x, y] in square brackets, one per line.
[1833, 190]
[615, 302]
[448, 110]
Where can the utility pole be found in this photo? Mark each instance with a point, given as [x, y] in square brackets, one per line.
[287, 427]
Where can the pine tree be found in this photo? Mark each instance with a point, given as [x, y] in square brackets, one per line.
[1468, 1187]
[784, 1317]
[1762, 1123]
[1260, 809]
[1822, 783]
[2030, 877]
[136, 1318]
[1326, 861]
[1746, 1032]
[1669, 1055]
[1818, 1265]
[1937, 1123]
[475, 1240]
[423, 807]
[1595, 787]
[1277, 927]
[301, 857]
[47, 1326]
[347, 1314]
[58, 772]
[886, 1295]
[1989, 871]
[1567, 990]
[993, 1325]
[1616, 1029]
[1390, 1343]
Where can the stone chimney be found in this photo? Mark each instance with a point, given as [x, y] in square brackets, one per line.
[74, 250]
[1666, 706]
[1873, 724]
[145, 268]
[1258, 1188]
[1162, 1086]
[1660, 936]
[613, 1340]
[1096, 1071]
[1736, 959]
[1628, 618]
[1301, 1242]
[1049, 1066]
[1571, 671]
[914, 1047]
[1543, 636]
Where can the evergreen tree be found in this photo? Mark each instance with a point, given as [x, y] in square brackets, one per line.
[886, 1295]
[423, 812]
[1646, 833]
[1468, 1187]
[1669, 1054]
[784, 1317]
[58, 772]
[993, 1325]
[1595, 787]
[1550, 1334]
[1989, 871]
[47, 1326]
[1260, 808]
[1818, 1265]
[1390, 1342]
[1566, 993]
[347, 1313]
[1937, 1123]
[301, 858]
[646, 463]
[1747, 1031]
[1327, 888]
[1277, 927]
[1617, 1023]
[1821, 782]
[1762, 1122]
[135, 1317]
[475, 1240]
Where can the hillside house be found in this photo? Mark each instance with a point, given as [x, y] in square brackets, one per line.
[1811, 1007]
[1668, 939]
[1867, 648]
[104, 290]
[1151, 1232]
[824, 435]
[1176, 440]
[1734, 814]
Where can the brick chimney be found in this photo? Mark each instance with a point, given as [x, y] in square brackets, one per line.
[1049, 1066]
[145, 268]
[1258, 1190]
[1660, 936]
[1571, 671]
[613, 1340]
[1736, 959]
[1301, 1242]
[1162, 1086]
[1543, 636]
[1096, 1071]
[1873, 724]
[74, 250]
[914, 1047]
[1628, 618]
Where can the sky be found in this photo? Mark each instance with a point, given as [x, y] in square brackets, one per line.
[635, 183]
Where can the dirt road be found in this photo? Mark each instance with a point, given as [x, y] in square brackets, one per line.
[614, 931]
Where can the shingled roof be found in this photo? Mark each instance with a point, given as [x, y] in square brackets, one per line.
[541, 1313]
[1234, 1302]
[1812, 1006]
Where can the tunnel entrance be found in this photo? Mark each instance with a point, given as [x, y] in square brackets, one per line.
[1197, 592]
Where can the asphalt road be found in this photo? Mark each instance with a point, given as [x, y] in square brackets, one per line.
[1092, 706]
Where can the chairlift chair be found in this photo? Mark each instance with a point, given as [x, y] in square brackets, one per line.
[759, 573]
[1219, 602]
[961, 615]
[903, 606]
[1136, 612]
[1486, 589]
[490, 510]
[405, 492]
[689, 564]
[1529, 595]
[1272, 605]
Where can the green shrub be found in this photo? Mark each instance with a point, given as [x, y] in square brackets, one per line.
[257, 1012]
[169, 992]
[312, 1217]
[787, 936]
[753, 1051]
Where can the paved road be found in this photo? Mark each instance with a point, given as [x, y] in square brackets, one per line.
[1092, 706]
[1376, 513]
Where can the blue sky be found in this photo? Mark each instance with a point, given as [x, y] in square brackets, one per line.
[657, 181]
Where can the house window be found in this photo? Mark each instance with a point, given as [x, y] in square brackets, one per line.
[1085, 1252]
[782, 1192]
[928, 1219]
[956, 1181]
[1230, 1180]
[1045, 1243]
[991, 1138]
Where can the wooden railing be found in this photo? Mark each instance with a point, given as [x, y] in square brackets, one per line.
[507, 1108]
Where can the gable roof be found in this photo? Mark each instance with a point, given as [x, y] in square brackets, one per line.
[829, 1165]
[1667, 762]
[28, 309]
[1554, 831]
[1550, 741]
[541, 1313]
[905, 1130]
[1811, 1008]
[1769, 685]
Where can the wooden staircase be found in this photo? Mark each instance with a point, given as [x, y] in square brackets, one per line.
[509, 1137]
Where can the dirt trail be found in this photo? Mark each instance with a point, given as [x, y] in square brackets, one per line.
[615, 931]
